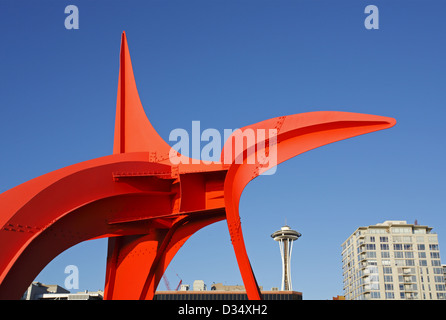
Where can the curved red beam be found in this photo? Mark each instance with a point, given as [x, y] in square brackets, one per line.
[294, 135]
[144, 204]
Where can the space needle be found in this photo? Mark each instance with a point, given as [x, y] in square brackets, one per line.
[285, 236]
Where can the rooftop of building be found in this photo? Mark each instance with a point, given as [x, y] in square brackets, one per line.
[393, 224]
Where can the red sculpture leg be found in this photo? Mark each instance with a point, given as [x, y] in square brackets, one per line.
[135, 265]
[182, 231]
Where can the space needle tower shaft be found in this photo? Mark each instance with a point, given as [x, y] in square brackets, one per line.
[286, 236]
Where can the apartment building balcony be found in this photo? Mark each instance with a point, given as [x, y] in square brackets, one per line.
[409, 296]
[411, 279]
[409, 288]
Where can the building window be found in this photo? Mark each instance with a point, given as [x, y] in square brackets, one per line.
[397, 246]
[385, 262]
[387, 270]
[438, 270]
[401, 230]
[388, 286]
[435, 255]
[379, 230]
[404, 279]
[436, 263]
[440, 287]
[388, 278]
[390, 295]
[372, 269]
[419, 239]
[433, 239]
[399, 263]
[384, 246]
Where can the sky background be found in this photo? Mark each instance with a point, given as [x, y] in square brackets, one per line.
[229, 64]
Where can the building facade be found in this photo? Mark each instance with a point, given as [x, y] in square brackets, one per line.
[219, 291]
[40, 291]
[393, 260]
[225, 295]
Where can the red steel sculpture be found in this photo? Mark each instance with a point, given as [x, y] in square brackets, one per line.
[144, 204]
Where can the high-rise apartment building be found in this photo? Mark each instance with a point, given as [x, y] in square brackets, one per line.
[393, 260]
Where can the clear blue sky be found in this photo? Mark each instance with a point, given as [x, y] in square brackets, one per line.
[229, 64]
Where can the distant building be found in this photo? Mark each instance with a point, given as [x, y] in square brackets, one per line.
[223, 292]
[199, 285]
[184, 287]
[223, 287]
[39, 291]
[224, 295]
[393, 260]
[85, 295]
[36, 291]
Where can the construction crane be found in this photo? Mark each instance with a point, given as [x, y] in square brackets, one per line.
[166, 282]
[179, 283]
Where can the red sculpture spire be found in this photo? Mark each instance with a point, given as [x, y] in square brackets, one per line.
[133, 130]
